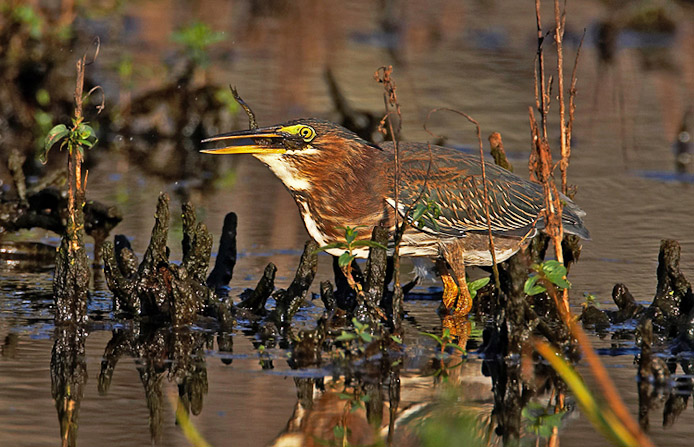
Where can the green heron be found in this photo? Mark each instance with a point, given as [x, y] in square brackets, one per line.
[339, 180]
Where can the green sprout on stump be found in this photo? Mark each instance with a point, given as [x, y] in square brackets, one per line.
[77, 137]
[552, 272]
[350, 245]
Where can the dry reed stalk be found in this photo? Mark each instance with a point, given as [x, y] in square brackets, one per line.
[541, 165]
[390, 99]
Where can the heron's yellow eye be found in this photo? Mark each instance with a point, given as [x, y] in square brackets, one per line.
[307, 133]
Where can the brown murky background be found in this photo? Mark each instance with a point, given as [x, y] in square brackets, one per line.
[474, 56]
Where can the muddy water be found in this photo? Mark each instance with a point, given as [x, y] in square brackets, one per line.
[472, 56]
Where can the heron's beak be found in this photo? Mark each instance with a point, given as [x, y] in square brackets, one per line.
[265, 140]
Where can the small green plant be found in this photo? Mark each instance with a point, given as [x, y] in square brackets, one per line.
[425, 213]
[345, 260]
[351, 243]
[446, 340]
[79, 136]
[539, 421]
[590, 300]
[549, 271]
[196, 40]
[360, 337]
[26, 16]
[476, 285]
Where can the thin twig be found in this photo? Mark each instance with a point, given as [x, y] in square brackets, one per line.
[558, 39]
[543, 100]
[390, 99]
[572, 105]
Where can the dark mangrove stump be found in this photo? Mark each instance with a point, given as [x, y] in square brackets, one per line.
[345, 296]
[289, 301]
[368, 308]
[673, 295]
[160, 290]
[670, 315]
[225, 262]
[47, 209]
[254, 300]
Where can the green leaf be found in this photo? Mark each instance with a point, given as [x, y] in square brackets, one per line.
[396, 339]
[477, 284]
[86, 143]
[331, 246]
[531, 287]
[345, 259]
[345, 336]
[85, 131]
[456, 346]
[338, 432]
[418, 212]
[561, 282]
[56, 134]
[555, 271]
[344, 396]
[359, 325]
[433, 336]
[368, 243]
[366, 337]
[552, 420]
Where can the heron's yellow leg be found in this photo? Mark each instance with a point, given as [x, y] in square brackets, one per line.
[450, 288]
[458, 326]
[456, 296]
[464, 304]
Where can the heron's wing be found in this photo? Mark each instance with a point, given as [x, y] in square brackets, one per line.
[441, 192]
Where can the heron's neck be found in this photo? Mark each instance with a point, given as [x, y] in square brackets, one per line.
[337, 188]
[286, 170]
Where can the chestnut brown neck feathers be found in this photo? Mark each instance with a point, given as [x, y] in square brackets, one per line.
[345, 185]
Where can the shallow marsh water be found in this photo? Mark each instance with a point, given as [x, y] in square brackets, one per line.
[472, 56]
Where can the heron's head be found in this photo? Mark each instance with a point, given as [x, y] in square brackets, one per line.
[299, 152]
